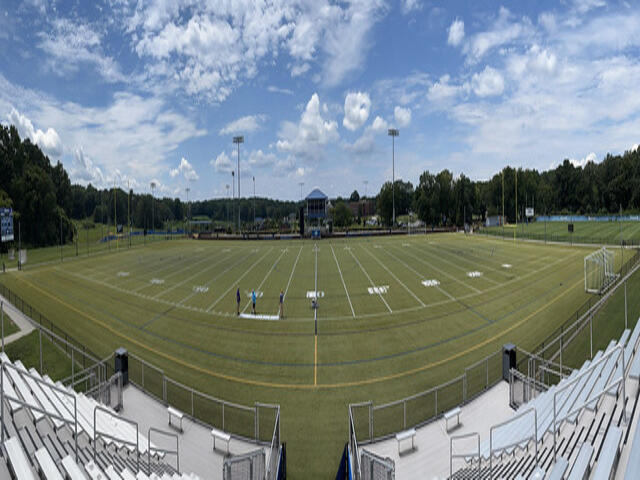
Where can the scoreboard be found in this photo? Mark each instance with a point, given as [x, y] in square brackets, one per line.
[6, 224]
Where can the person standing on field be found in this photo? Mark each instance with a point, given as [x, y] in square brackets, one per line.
[253, 300]
[281, 304]
[238, 301]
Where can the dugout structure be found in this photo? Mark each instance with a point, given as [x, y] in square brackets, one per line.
[599, 273]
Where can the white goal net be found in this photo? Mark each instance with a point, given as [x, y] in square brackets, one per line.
[599, 272]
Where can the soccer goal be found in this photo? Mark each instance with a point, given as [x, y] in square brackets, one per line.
[599, 273]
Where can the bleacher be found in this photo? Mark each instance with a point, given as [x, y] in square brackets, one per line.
[52, 432]
[576, 429]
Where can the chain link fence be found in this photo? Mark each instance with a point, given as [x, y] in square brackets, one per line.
[375, 467]
[249, 466]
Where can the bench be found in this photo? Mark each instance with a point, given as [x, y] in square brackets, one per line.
[46, 465]
[558, 469]
[450, 414]
[18, 460]
[581, 465]
[175, 413]
[220, 435]
[608, 455]
[401, 436]
[72, 469]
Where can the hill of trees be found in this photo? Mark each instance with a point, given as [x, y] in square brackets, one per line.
[46, 204]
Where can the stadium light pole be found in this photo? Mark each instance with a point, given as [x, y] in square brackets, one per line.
[188, 208]
[366, 182]
[254, 202]
[301, 198]
[238, 140]
[227, 203]
[153, 201]
[393, 133]
[233, 201]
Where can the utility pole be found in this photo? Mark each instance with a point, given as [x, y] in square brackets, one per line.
[393, 133]
[238, 140]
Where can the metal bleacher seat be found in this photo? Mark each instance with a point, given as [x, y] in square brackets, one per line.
[17, 460]
[40, 396]
[559, 469]
[608, 455]
[47, 466]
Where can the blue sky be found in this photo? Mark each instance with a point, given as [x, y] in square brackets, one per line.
[139, 91]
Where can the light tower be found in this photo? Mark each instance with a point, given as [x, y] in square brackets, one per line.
[254, 202]
[188, 208]
[238, 140]
[366, 182]
[393, 133]
[233, 201]
[153, 201]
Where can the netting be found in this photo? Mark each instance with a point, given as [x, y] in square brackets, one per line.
[375, 467]
[249, 466]
[599, 271]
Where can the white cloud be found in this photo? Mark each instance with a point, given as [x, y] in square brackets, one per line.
[402, 116]
[409, 6]
[487, 83]
[456, 33]
[356, 110]
[84, 171]
[186, 170]
[260, 159]
[634, 147]
[248, 123]
[307, 137]
[583, 6]
[583, 161]
[274, 89]
[49, 141]
[222, 163]
[442, 91]
[68, 45]
[379, 125]
[503, 31]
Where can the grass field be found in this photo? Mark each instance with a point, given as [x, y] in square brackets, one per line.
[173, 303]
[584, 232]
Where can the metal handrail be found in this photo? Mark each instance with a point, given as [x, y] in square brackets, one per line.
[591, 399]
[175, 452]
[354, 439]
[533, 437]
[98, 408]
[276, 431]
[462, 455]
[3, 396]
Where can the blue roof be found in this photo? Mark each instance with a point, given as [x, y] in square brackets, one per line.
[316, 194]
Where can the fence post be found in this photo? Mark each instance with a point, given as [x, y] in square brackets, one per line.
[464, 387]
[40, 337]
[192, 410]
[371, 420]
[404, 408]
[222, 416]
[487, 383]
[626, 322]
[257, 421]
[436, 402]
[591, 334]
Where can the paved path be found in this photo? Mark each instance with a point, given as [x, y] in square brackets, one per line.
[19, 318]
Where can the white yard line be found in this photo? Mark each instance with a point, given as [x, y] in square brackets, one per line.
[444, 273]
[419, 275]
[343, 284]
[455, 265]
[179, 270]
[218, 275]
[191, 277]
[393, 275]
[238, 280]
[475, 262]
[370, 281]
[292, 271]
[265, 278]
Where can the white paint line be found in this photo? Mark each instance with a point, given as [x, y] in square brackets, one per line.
[370, 281]
[292, 270]
[343, 284]
[258, 316]
[430, 283]
[264, 279]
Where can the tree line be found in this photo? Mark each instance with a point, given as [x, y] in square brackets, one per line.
[47, 206]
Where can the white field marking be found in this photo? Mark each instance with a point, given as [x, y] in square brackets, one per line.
[219, 274]
[377, 246]
[347, 248]
[442, 272]
[506, 265]
[157, 281]
[395, 278]
[370, 281]
[474, 274]
[122, 274]
[312, 294]
[292, 270]
[258, 294]
[264, 279]
[238, 280]
[200, 288]
[255, 250]
[251, 316]
[439, 257]
[171, 274]
[343, 284]
[378, 290]
[285, 250]
[190, 277]
[406, 244]
[224, 250]
[430, 283]
[444, 292]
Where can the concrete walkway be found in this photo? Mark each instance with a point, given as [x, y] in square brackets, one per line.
[19, 318]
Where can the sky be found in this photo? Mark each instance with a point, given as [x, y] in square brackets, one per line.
[133, 92]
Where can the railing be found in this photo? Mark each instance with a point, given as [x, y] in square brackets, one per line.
[152, 449]
[522, 440]
[274, 449]
[108, 436]
[466, 455]
[353, 447]
[3, 396]
[423, 407]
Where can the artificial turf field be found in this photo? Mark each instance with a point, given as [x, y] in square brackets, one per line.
[584, 232]
[173, 303]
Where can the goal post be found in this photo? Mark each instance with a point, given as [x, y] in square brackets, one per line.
[599, 271]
